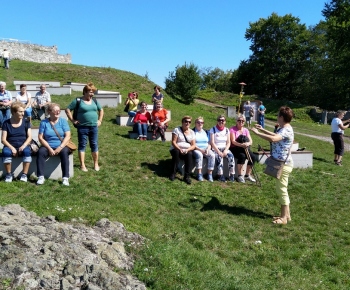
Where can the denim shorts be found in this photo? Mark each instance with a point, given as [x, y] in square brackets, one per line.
[86, 133]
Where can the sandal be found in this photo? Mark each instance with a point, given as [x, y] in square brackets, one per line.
[279, 221]
[338, 163]
[83, 169]
[278, 217]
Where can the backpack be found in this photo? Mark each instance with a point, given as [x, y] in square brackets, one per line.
[251, 112]
[75, 112]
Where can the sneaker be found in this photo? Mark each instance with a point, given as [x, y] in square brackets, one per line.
[210, 178]
[24, 177]
[41, 180]
[172, 177]
[222, 178]
[232, 178]
[144, 137]
[240, 179]
[140, 138]
[65, 181]
[249, 178]
[200, 177]
[163, 140]
[8, 177]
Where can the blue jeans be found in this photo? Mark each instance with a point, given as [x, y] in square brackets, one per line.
[7, 155]
[132, 113]
[85, 132]
[220, 162]
[261, 120]
[6, 63]
[28, 112]
[142, 129]
[5, 114]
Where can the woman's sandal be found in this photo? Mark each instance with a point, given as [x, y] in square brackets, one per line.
[278, 217]
[279, 221]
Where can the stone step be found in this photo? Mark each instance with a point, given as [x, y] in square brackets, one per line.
[134, 135]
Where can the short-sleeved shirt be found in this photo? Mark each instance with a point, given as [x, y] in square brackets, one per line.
[159, 97]
[280, 149]
[133, 105]
[161, 114]
[42, 98]
[202, 139]
[220, 137]
[144, 118]
[15, 136]
[23, 98]
[5, 96]
[335, 126]
[87, 113]
[247, 109]
[181, 140]
[49, 134]
[262, 109]
[234, 130]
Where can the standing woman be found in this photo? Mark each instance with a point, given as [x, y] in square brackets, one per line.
[203, 148]
[141, 120]
[25, 97]
[182, 144]
[89, 118]
[337, 136]
[132, 101]
[16, 136]
[52, 144]
[281, 143]
[157, 96]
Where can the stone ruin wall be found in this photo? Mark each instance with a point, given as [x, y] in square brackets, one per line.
[34, 52]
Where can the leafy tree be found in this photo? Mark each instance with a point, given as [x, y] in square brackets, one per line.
[216, 79]
[184, 83]
[280, 54]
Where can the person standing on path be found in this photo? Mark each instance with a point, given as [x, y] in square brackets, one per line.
[261, 115]
[338, 128]
[6, 57]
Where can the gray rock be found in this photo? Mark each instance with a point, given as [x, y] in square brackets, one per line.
[40, 253]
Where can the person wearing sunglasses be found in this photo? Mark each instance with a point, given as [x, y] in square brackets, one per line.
[182, 145]
[220, 143]
[240, 145]
[203, 148]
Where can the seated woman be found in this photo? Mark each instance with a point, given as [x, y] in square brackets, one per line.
[16, 136]
[182, 145]
[240, 142]
[203, 148]
[54, 134]
[25, 97]
[160, 121]
[141, 120]
[132, 101]
[220, 144]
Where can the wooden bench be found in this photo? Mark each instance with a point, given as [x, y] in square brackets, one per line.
[135, 135]
[52, 167]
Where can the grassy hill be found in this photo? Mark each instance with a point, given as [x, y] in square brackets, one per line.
[206, 235]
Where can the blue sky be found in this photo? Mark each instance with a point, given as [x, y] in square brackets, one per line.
[148, 36]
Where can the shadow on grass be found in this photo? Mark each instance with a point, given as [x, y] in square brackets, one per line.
[322, 160]
[215, 204]
[161, 169]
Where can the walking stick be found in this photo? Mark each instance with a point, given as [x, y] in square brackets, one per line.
[253, 169]
[263, 151]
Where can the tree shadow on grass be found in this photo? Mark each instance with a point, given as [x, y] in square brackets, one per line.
[162, 169]
[215, 204]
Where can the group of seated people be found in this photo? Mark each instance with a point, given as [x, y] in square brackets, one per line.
[41, 100]
[216, 144]
[16, 135]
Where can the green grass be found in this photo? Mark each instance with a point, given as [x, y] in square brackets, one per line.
[204, 236]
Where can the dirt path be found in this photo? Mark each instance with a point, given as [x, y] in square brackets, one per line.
[271, 124]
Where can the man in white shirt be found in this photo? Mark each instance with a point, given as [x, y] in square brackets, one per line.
[42, 99]
[6, 57]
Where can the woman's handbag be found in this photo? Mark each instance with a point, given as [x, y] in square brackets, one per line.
[34, 147]
[71, 146]
[274, 167]
[126, 109]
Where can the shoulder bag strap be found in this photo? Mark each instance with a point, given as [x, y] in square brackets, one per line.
[58, 135]
[184, 135]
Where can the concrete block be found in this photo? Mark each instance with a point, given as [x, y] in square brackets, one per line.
[52, 167]
[168, 135]
[38, 83]
[108, 100]
[301, 159]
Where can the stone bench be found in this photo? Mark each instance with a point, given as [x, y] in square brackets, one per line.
[52, 90]
[38, 83]
[52, 167]
[301, 159]
[126, 120]
[135, 135]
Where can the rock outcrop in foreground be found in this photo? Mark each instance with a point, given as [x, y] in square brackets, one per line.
[41, 253]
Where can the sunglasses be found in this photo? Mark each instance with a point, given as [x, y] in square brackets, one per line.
[241, 121]
[199, 122]
[221, 120]
[187, 121]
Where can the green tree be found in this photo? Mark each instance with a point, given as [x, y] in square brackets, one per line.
[280, 54]
[184, 83]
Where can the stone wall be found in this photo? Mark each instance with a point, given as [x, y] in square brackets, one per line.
[34, 52]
